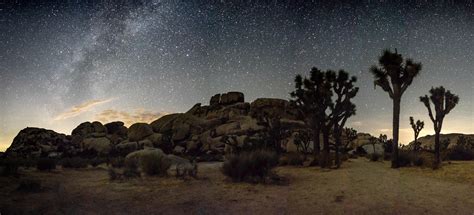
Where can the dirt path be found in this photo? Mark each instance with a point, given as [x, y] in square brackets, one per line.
[359, 187]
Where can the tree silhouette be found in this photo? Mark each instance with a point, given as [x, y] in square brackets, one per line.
[394, 75]
[311, 97]
[417, 127]
[443, 102]
[351, 135]
[342, 108]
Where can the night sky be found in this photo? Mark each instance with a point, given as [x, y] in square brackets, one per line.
[65, 63]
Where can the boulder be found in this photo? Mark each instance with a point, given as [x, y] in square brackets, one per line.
[145, 144]
[178, 150]
[100, 145]
[139, 131]
[227, 129]
[215, 100]
[369, 148]
[231, 98]
[156, 139]
[137, 156]
[35, 142]
[180, 131]
[164, 123]
[117, 128]
[88, 129]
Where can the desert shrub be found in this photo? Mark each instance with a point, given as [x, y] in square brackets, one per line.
[418, 161]
[387, 156]
[405, 158]
[96, 161]
[295, 159]
[131, 170]
[344, 157]
[353, 156]
[113, 175]
[117, 162]
[460, 152]
[283, 161]
[46, 164]
[154, 164]
[250, 166]
[374, 157]
[9, 167]
[74, 162]
[29, 185]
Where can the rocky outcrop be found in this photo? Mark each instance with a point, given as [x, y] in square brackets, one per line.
[36, 142]
[427, 142]
[204, 131]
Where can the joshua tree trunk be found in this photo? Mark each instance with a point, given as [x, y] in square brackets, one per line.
[437, 159]
[316, 142]
[415, 148]
[325, 158]
[338, 143]
[395, 127]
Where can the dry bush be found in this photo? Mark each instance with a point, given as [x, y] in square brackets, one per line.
[295, 159]
[154, 164]
[46, 164]
[74, 162]
[252, 166]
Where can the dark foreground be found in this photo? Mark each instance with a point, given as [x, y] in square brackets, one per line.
[359, 187]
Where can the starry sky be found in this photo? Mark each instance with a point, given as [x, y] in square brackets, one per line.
[64, 62]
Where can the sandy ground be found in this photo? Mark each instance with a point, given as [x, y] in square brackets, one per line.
[359, 187]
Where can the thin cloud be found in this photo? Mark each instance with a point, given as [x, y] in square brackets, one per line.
[129, 118]
[81, 108]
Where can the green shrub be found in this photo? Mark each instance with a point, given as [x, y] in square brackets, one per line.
[250, 166]
[46, 164]
[75, 162]
[9, 167]
[373, 157]
[295, 159]
[405, 158]
[460, 152]
[131, 170]
[418, 161]
[113, 175]
[29, 185]
[96, 161]
[154, 164]
[117, 162]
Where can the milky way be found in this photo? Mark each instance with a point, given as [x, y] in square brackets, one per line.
[147, 58]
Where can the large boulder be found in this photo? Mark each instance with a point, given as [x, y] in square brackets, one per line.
[164, 123]
[117, 128]
[35, 142]
[227, 129]
[231, 98]
[274, 107]
[369, 148]
[137, 156]
[215, 100]
[139, 131]
[101, 145]
[88, 129]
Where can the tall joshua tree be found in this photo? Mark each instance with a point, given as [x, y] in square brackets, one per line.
[311, 97]
[342, 108]
[394, 75]
[443, 102]
[417, 127]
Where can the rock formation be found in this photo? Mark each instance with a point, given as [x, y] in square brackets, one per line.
[204, 131]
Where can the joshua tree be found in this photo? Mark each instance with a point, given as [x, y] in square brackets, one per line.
[394, 75]
[351, 135]
[342, 108]
[443, 102]
[417, 127]
[312, 96]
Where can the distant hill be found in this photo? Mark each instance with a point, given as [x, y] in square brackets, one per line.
[428, 140]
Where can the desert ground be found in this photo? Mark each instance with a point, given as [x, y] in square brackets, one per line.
[359, 187]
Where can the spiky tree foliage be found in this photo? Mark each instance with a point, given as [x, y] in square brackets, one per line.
[351, 135]
[417, 127]
[311, 97]
[342, 107]
[394, 75]
[443, 102]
